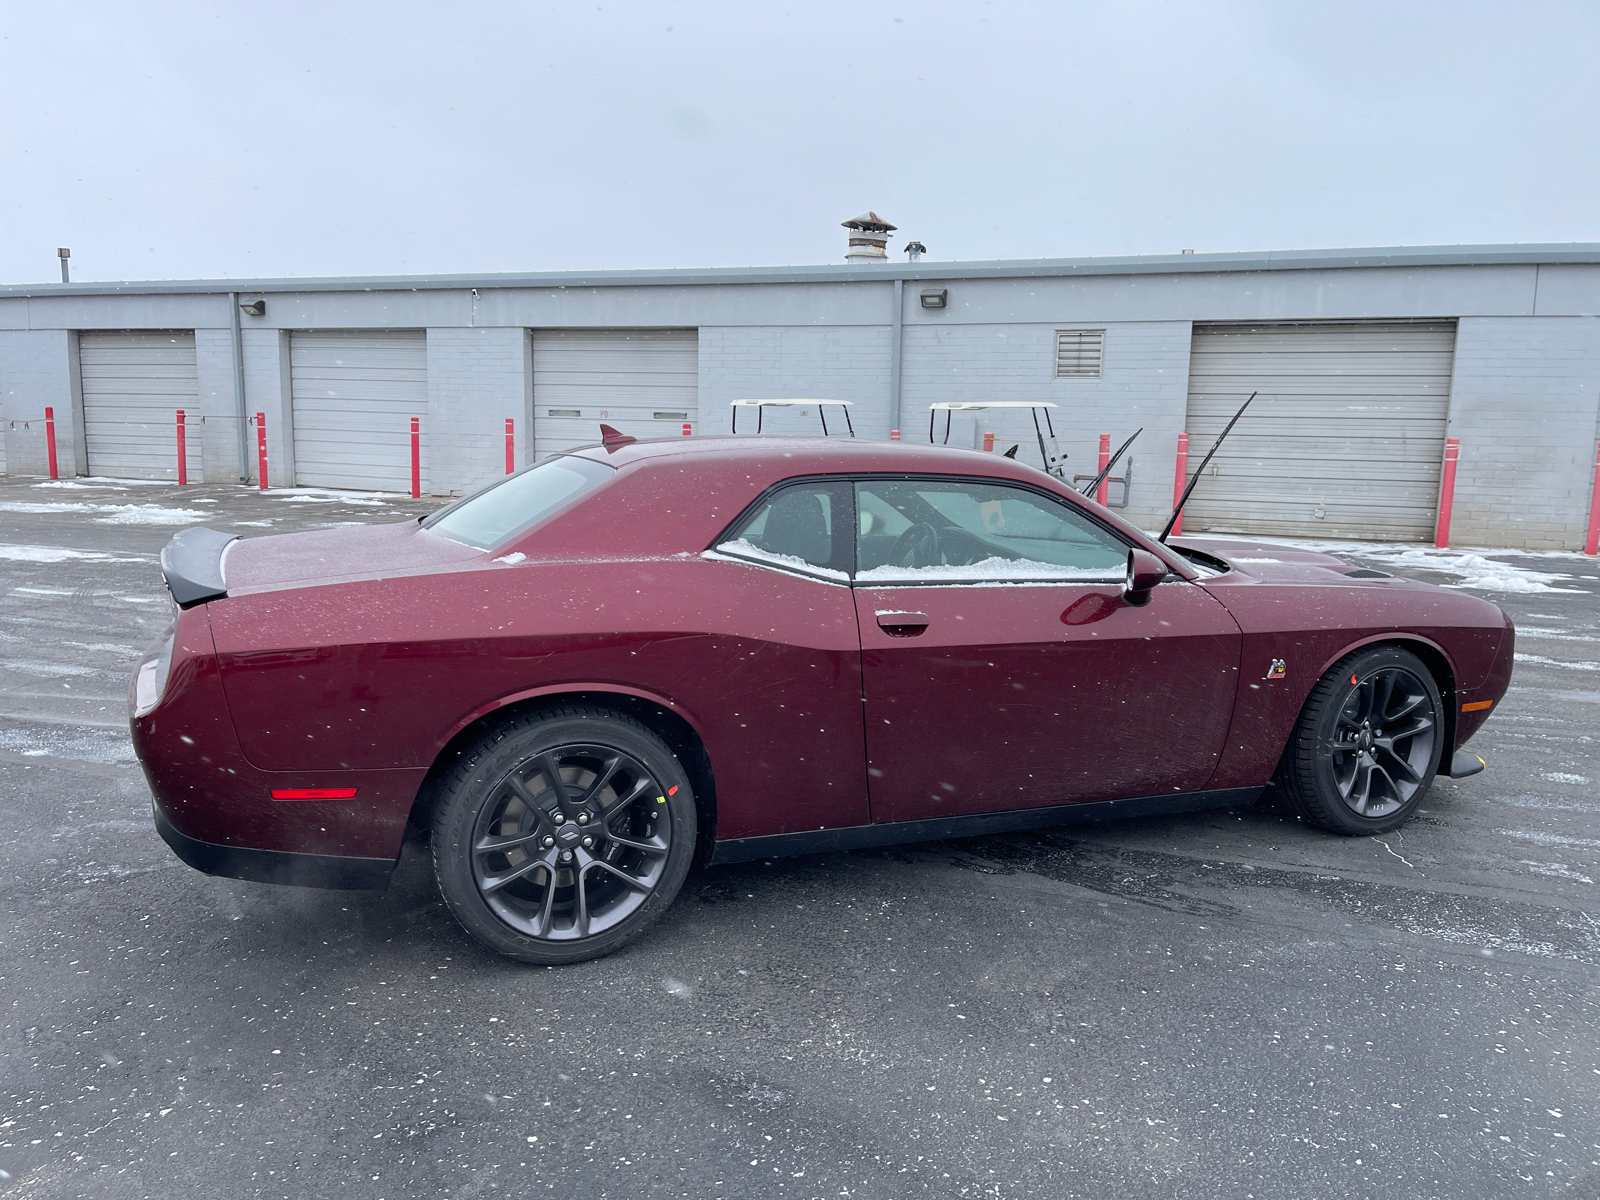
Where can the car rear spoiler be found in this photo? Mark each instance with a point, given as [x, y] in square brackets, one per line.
[192, 565]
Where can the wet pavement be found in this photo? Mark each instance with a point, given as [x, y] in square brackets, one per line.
[1224, 1004]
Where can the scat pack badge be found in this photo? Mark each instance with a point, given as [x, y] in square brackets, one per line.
[1277, 670]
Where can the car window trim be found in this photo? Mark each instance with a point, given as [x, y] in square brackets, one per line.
[852, 478]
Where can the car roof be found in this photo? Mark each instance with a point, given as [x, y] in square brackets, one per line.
[817, 455]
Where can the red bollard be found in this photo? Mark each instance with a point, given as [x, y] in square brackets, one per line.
[1105, 461]
[416, 460]
[894, 435]
[686, 429]
[511, 447]
[1592, 544]
[1179, 479]
[988, 443]
[183, 458]
[261, 449]
[50, 438]
[1447, 491]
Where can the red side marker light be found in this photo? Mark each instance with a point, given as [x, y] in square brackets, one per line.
[313, 793]
[672, 791]
[1476, 705]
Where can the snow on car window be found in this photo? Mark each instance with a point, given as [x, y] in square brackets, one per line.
[508, 506]
[804, 524]
[996, 570]
[740, 548]
[958, 531]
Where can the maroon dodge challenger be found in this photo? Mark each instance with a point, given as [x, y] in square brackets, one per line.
[597, 670]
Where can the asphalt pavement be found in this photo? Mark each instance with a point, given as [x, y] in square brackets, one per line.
[1217, 1005]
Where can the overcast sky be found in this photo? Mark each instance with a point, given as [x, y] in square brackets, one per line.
[162, 140]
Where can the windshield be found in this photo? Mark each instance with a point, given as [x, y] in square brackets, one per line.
[509, 506]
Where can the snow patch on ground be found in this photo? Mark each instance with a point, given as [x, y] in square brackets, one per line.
[333, 496]
[45, 670]
[55, 554]
[102, 647]
[1548, 803]
[1558, 870]
[78, 743]
[105, 483]
[1540, 838]
[149, 514]
[112, 514]
[1563, 777]
[1542, 661]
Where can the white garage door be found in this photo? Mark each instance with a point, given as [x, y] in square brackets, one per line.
[354, 397]
[133, 385]
[1345, 439]
[643, 382]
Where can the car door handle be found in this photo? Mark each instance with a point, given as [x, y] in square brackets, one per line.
[902, 624]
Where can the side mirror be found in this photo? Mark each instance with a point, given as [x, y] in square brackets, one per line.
[1145, 570]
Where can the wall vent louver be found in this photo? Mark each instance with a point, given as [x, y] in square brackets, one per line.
[1079, 353]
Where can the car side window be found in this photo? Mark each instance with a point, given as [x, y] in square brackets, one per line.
[955, 531]
[805, 526]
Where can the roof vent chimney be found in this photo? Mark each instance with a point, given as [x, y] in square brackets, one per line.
[869, 238]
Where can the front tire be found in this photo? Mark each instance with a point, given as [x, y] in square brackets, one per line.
[563, 834]
[1368, 742]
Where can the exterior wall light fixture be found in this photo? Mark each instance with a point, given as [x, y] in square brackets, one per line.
[936, 298]
[254, 308]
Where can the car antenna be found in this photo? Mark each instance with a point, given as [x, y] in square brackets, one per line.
[1173, 520]
[1012, 453]
[1100, 478]
[612, 439]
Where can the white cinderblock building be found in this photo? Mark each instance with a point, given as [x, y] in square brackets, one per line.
[1364, 361]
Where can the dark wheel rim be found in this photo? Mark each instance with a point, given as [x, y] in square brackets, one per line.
[571, 842]
[1383, 742]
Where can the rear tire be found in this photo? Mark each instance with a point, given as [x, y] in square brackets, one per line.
[563, 834]
[1368, 742]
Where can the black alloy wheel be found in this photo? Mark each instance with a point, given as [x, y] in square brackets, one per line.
[564, 835]
[1383, 745]
[1367, 744]
[572, 843]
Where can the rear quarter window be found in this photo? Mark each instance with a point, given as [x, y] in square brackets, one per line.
[494, 516]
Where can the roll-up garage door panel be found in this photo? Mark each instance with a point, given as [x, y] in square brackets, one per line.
[1349, 423]
[133, 384]
[621, 377]
[354, 397]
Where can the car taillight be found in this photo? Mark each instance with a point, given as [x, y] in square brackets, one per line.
[151, 680]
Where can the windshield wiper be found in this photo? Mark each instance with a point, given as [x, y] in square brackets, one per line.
[1173, 520]
[1106, 470]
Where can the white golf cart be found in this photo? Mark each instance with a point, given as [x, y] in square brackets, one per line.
[762, 405]
[1054, 458]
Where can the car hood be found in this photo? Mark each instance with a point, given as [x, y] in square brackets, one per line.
[325, 555]
[1274, 563]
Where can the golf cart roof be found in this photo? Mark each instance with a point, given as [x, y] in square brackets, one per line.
[785, 403]
[978, 405]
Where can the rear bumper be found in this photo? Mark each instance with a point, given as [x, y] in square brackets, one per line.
[277, 866]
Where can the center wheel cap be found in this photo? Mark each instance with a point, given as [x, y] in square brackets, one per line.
[568, 835]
